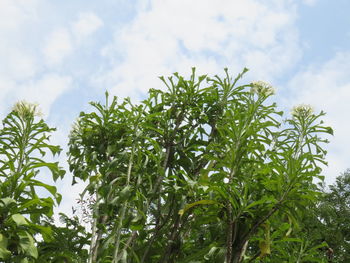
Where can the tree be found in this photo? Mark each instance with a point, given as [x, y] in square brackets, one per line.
[323, 233]
[24, 141]
[333, 218]
[204, 171]
[71, 239]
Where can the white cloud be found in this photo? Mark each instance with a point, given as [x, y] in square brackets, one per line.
[6, 86]
[327, 88]
[64, 40]
[87, 24]
[20, 65]
[29, 69]
[58, 46]
[17, 61]
[171, 36]
[44, 90]
[310, 2]
[14, 13]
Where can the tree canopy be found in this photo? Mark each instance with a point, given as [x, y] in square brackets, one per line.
[204, 170]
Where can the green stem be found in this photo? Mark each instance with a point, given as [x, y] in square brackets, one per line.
[22, 154]
[120, 224]
[157, 231]
[229, 240]
[94, 236]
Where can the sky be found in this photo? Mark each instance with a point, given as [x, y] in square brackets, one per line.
[64, 54]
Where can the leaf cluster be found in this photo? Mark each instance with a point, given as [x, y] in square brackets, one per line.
[24, 142]
[205, 170]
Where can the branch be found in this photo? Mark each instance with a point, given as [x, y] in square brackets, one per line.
[172, 238]
[266, 217]
[156, 232]
[117, 242]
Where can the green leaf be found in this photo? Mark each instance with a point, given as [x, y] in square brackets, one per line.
[7, 201]
[3, 241]
[264, 200]
[289, 239]
[4, 253]
[31, 202]
[19, 220]
[26, 242]
[45, 231]
[330, 130]
[201, 202]
[134, 227]
[125, 193]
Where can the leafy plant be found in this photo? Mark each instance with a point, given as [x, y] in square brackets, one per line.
[331, 220]
[67, 244]
[24, 141]
[204, 171]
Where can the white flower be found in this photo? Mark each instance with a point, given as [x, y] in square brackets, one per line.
[262, 88]
[25, 109]
[302, 110]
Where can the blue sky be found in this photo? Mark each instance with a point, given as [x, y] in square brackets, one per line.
[63, 54]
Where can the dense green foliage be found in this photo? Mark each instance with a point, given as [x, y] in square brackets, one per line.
[206, 170]
[331, 219]
[67, 243]
[334, 212]
[24, 141]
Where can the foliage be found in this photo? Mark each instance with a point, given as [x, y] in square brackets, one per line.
[323, 233]
[67, 243]
[202, 172]
[332, 223]
[24, 141]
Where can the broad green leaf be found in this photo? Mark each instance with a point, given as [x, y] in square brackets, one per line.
[7, 201]
[26, 242]
[135, 227]
[4, 252]
[265, 244]
[264, 200]
[289, 239]
[125, 193]
[3, 241]
[45, 231]
[19, 220]
[50, 188]
[201, 202]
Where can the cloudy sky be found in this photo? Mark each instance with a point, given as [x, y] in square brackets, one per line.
[63, 54]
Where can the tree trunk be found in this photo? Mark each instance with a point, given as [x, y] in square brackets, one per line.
[237, 254]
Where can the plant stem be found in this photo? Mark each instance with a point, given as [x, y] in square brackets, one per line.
[229, 240]
[120, 224]
[156, 233]
[171, 241]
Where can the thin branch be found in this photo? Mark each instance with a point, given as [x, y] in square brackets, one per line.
[172, 238]
[128, 243]
[117, 242]
[229, 240]
[263, 220]
[156, 232]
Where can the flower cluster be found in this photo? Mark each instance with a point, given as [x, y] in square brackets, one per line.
[262, 88]
[302, 110]
[25, 109]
